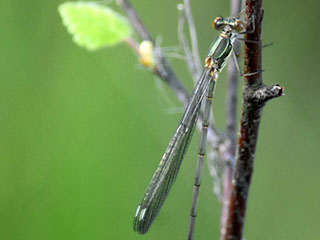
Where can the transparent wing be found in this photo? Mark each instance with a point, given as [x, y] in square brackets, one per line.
[168, 168]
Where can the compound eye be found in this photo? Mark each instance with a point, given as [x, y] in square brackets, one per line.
[239, 26]
[218, 23]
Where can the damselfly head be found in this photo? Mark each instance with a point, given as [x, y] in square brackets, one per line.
[218, 23]
[228, 24]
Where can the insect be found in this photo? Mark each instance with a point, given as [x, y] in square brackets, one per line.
[166, 173]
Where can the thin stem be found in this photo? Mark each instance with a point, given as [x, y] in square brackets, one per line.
[255, 95]
[185, 44]
[231, 126]
[194, 39]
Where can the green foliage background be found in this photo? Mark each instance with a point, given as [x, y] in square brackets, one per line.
[82, 132]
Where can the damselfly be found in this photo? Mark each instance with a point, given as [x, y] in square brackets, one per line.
[168, 168]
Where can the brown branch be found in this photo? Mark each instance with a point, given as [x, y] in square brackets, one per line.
[255, 95]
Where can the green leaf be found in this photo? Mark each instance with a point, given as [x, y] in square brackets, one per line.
[94, 25]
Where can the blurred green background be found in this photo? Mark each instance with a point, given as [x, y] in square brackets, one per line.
[82, 132]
